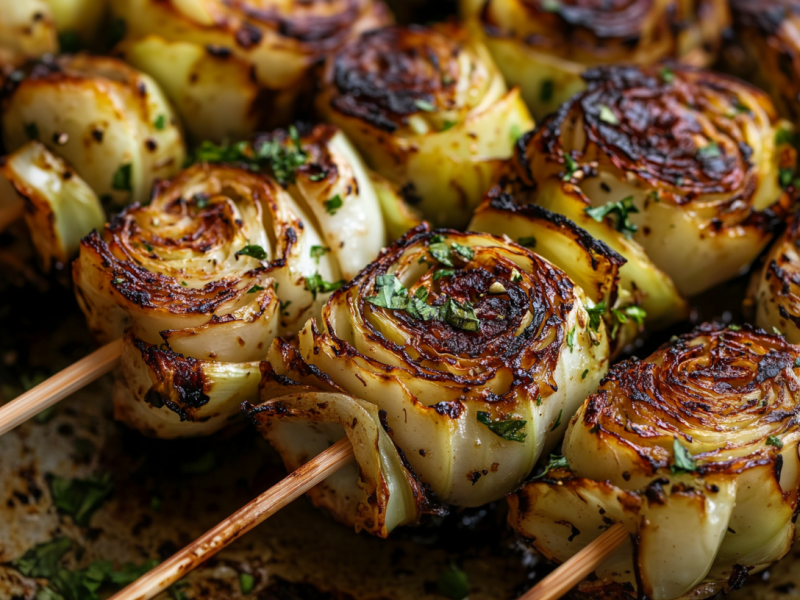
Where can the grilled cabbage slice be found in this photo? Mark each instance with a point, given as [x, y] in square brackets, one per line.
[694, 166]
[695, 451]
[60, 207]
[429, 110]
[544, 47]
[110, 122]
[220, 262]
[247, 64]
[474, 351]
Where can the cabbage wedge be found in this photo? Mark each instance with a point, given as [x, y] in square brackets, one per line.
[110, 122]
[60, 207]
[429, 110]
[473, 351]
[247, 64]
[544, 47]
[695, 451]
[693, 166]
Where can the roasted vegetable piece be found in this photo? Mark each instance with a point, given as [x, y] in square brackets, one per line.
[233, 67]
[544, 46]
[473, 350]
[695, 451]
[774, 295]
[59, 207]
[221, 261]
[32, 28]
[429, 111]
[765, 49]
[109, 121]
[694, 166]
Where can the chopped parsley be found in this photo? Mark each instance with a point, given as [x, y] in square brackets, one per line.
[508, 429]
[596, 315]
[464, 252]
[449, 125]
[584, 374]
[440, 251]
[122, 178]
[620, 211]
[453, 584]
[667, 75]
[332, 205]
[200, 200]
[393, 295]
[246, 583]
[424, 105]
[709, 152]
[621, 316]
[558, 420]
[556, 462]
[253, 251]
[570, 167]
[160, 122]
[317, 285]
[281, 158]
[785, 176]
[774, 440]
[607, 115]
[684, 461]
[528, 242]
[254, 289]
[551, 5]
[460, 316]
[571, 339]
[44, 562]
[80, 498]
[546, 90]
[318, 252]
[443, 273]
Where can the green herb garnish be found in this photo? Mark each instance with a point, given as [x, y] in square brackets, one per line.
[684, 461]
[80, 498]
[620, 211]
[253, 251]
[556, 462]
[508, 429]
[122, 178]
[317, 285]
[332, 205]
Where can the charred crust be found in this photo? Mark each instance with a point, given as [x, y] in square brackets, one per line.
[653, 138]
[505, 202]
[697, 382]
[180, 381]
[385, 75]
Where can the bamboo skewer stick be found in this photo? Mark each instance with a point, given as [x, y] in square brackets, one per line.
[192, 556]
[575, 570]
[11, 213]
[59, 386]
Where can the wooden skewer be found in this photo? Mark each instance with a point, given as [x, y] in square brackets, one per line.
[11, 213]
[288, 489]
[575, 570]
[59, 386]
